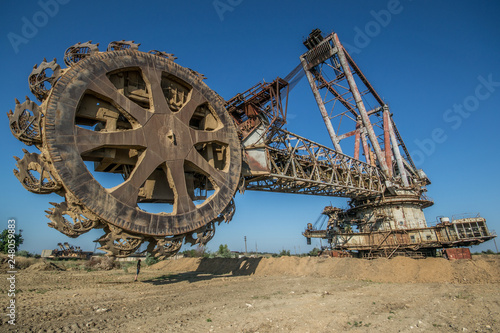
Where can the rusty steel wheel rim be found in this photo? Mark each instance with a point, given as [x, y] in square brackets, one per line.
[162, 134]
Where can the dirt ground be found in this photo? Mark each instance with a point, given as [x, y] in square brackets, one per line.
[285, 294]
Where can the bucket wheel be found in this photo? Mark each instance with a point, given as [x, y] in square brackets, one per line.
[155, 123]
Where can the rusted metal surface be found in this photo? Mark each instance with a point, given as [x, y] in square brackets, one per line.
[335, 254]
[38, 79]
[139, 115]
[387, 142]
[321, 106]
[82, 219]
[31, 165]
[25, 122]
[457, 253]
[360, 105]
[357, 141]
[77, 52]
[381, 234]
[259, 105]
[399, 160]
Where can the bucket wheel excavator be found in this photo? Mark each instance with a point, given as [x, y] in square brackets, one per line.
[178, 153]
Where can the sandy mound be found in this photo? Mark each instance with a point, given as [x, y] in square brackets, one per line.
[21, 262]
[483, 269]
[44, 266]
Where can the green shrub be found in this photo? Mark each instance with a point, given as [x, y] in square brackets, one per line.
[150, 260]
[223, 252]
[24, 253]
[284, 253]
[314, 252]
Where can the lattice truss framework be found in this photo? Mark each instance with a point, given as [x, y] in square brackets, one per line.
[298, 165]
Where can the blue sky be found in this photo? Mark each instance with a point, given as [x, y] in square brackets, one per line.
[427, 59]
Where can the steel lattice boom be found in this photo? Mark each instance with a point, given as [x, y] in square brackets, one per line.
[298, 165]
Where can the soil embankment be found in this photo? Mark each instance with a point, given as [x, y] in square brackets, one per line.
[482, 269]
[286, 294]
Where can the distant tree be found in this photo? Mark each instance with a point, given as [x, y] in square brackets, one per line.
[284, 253]
[150, 260]
[199, 252]
[24, 253]
[4, 240]
[189, 253]
[223, 252]
[314, 252]
[206, 253]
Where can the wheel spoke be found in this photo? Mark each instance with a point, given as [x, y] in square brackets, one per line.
[88, 140]
[106, 89]
[128, 191]
[187, 111]
[177, 180]
[159, 102]
[216, 175]
[200, 136]
[150, 120]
